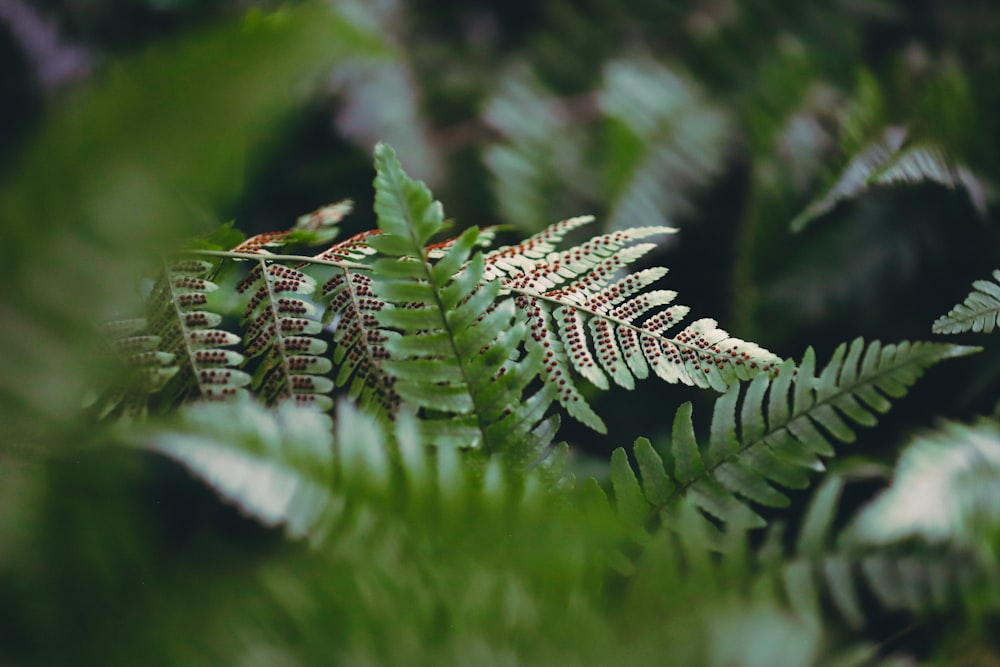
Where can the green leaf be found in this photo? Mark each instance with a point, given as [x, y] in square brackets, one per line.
[980, 312]
[629, 500]
[405, 208]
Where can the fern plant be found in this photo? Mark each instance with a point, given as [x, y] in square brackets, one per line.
[480, 344]
[392, 401]
[451, 357]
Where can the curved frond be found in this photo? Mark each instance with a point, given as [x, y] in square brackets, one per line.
[293, 467]
[277, 465]
[587, 314]
[980, 312]
[775, 432]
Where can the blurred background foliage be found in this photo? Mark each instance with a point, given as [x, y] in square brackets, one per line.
[126, 125]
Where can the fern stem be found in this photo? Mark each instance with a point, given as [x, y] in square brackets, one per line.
[278, 258]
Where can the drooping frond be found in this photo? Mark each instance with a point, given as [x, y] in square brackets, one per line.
[980, 312]
[587, 314]
[775, 432]
[890, 161]
[454, 349]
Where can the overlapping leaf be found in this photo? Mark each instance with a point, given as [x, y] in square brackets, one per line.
[455, 351]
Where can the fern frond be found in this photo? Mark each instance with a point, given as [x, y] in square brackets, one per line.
[664, 138]
[191, 334]
[359, 342]
[277, 465]
[281, 326]
[775, 432]
[980, 312]
[351, 305]
[890, 162]
[454, 348]
[586, 315]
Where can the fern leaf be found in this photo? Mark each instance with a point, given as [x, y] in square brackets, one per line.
[665, 142]
[148, 369]
[780, 432]
[276, 465]
[190, 334]
[980, 312]
[456, 352]
[587, 318]
[289, 466]
[280, 329]
[359, 341]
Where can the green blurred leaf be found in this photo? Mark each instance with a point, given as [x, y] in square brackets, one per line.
[150, 153]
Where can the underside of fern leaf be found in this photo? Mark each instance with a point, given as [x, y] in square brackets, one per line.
[482, 344]
[280, 329]
[775, 432]
[980, 312]
[586, 313]
[191, 334]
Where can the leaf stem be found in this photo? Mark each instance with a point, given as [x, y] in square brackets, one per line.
[278, 258]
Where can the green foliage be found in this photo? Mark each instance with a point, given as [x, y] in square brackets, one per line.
[391, 402]
[890, 161]
[656, 135]
[110, 180]
[775, 431]
[979, 312]
[442, 329]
